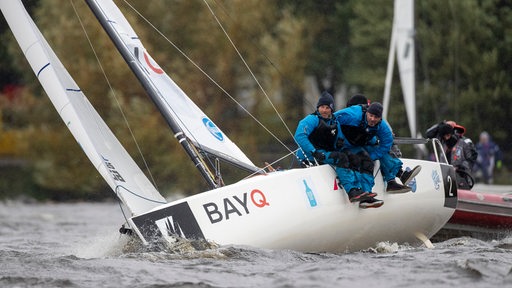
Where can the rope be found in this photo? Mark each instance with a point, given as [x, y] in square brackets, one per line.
[208, 76]
[114, 95]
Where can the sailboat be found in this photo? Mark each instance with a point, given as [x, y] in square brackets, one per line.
[302, 209]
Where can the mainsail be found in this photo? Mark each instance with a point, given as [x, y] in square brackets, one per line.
[180, 112]
[97, 141]
[402, 43]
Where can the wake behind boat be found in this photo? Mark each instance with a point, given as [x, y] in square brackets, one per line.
[302, 209]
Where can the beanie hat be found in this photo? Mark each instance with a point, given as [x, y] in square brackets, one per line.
[375, 109]
[326, 99]
[356, 100]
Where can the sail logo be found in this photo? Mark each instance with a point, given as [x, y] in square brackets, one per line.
[115, 174]
[234, 205]
[155, 67]
[213, 129]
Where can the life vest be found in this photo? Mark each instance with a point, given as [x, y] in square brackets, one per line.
[361, 134]
[324, 136]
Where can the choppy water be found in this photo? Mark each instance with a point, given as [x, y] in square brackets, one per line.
[77, 245]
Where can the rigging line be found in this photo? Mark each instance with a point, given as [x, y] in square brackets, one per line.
[206, 74]
[270, 164]
[255, 44]
[114, 95]
[271, 63]
[287, 79]
[248, 68]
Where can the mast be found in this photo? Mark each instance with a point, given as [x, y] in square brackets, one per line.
[153, 93]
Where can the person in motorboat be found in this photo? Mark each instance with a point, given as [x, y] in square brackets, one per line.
[316, 135]
[390, 165]
[460, 150]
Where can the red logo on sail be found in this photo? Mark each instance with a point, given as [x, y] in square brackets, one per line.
[155, 69]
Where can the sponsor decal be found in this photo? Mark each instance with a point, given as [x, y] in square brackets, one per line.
[309, 193]
[110, 167]
[214, 130]
[155, 67]
[235, 205]
[176, 220]
[436, 179]
[171, 226]
[412, 184]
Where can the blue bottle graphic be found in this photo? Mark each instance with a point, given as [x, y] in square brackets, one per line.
[309, 192]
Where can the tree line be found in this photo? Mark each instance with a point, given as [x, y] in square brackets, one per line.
[463, 69]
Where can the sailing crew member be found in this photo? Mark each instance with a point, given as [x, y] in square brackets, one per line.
[365, 134]
[316, 135]
[391, 167]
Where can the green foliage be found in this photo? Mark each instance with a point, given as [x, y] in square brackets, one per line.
[463, 52]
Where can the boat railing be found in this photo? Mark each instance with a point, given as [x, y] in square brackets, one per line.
[438, 149]
[439, 154]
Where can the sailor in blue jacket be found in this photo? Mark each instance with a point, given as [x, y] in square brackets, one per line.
[390, 166]
[316, 135]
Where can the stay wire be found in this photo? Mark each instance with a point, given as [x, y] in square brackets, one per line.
[252, 74]
[114, 95]
[207, 75]
[287, 79]
[249, 69]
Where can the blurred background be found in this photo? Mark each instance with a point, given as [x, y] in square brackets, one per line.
[296, 49]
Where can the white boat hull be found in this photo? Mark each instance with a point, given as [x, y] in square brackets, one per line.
[275, 211]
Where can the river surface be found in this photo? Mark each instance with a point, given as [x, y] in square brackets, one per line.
[78, 245]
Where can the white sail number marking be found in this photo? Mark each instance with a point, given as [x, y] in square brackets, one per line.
[115, 174]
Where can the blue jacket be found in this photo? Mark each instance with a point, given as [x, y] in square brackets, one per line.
[355, 116]
[304, 129]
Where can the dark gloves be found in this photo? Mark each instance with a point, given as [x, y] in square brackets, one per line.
[340, 159]
[319, 155]
[339, 143]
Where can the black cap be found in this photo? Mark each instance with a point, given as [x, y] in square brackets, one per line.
[357, 99]
[326, 99]
[375, 109]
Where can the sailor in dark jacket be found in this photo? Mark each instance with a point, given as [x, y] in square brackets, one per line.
[391, 167]
[316, 136]
[369, 137]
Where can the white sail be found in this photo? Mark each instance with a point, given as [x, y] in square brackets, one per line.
[198, 127]
[402, 43]
[404, 15]
[95, 138]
